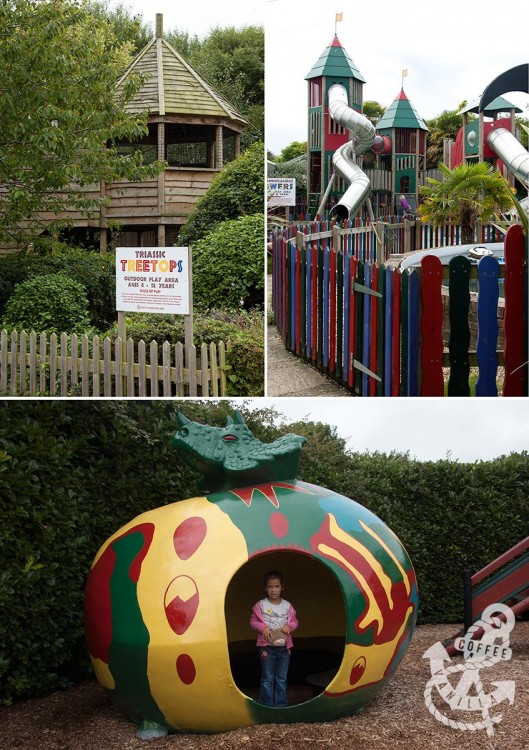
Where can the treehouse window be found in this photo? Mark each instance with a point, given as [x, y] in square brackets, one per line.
[147, 145]
[189, 145]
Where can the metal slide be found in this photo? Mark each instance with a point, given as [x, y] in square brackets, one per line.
[343, 158]
[511, 152]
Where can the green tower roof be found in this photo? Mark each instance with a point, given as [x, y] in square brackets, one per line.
[401, 114]
[334, 62]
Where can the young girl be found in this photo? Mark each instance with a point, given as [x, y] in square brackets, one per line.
[274, 618]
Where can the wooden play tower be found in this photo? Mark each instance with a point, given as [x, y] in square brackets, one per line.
[190, 126]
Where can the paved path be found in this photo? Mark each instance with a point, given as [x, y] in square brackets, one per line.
[288, 375]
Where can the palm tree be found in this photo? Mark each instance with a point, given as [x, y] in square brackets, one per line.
[468, 193]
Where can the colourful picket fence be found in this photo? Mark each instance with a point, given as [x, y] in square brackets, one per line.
[378, 331]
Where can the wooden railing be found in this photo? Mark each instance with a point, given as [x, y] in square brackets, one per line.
[37, 365]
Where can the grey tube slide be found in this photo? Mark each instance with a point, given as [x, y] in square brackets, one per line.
[511, 152]
[344, 158]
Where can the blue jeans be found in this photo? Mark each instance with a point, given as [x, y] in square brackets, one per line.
[274, 670]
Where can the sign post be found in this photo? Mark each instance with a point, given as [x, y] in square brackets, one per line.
[154, 280]
[281, 191]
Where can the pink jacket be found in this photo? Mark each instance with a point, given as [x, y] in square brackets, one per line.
[257, 623]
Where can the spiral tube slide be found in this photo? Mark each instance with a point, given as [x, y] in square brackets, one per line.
[511, 153]
[344, 158]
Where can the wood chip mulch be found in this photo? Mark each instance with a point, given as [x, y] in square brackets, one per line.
[82, 718]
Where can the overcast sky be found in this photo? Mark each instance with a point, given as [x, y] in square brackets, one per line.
[198, 17]
[430, 429]
[452, 51]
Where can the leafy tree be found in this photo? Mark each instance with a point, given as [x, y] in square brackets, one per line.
[297, 170]
[292, 151]
[373, 111]
[468, 193]
[238, 190]
[58, 111]
[445, 125]
[127, 28]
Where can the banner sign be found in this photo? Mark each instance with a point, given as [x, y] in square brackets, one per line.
[153, 280]
[281, 191]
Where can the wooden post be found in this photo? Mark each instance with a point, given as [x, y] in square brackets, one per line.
[220, 154]
[122, 334]
[188, 322]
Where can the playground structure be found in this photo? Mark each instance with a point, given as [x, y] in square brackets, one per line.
[385, 330]
[169, 595]
[504, 580]
[338, 135]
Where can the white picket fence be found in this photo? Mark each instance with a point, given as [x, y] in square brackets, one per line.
[37, 365]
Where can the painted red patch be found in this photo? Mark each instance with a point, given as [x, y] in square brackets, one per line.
[359, 667]
[188, 536]
[98, 606]
[180, 612]
[279, 524]
[186, 669]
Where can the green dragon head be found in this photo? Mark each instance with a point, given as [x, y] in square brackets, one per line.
[230, 457]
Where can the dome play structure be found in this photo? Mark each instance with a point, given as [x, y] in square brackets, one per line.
[169, 595]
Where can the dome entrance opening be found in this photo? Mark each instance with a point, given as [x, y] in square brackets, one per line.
[319, 641]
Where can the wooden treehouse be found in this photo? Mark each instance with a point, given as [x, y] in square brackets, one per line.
[191, 127]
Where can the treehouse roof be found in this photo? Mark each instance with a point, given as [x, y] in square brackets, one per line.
[334, 62]
[401, 114]
[173, 87]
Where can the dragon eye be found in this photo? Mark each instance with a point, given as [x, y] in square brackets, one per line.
[184, 432]
[230, 438]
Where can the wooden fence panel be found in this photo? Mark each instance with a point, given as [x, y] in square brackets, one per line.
[73, 366]
[324, 314]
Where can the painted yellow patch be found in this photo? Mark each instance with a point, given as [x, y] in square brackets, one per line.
[103, 674]
[211, 701]
[377, 658]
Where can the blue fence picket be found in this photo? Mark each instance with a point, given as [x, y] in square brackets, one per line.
[488, 273]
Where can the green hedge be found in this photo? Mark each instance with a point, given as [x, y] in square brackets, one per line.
[73, 472]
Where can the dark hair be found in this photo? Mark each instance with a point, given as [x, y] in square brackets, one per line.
[273, 574]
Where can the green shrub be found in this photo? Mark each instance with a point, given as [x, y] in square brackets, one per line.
[238, 190]
[97, 273]
[53, 302]
[245, 364]
[94, 270]
[228, 265]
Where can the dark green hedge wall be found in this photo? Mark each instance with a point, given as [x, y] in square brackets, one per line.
[72, 472]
